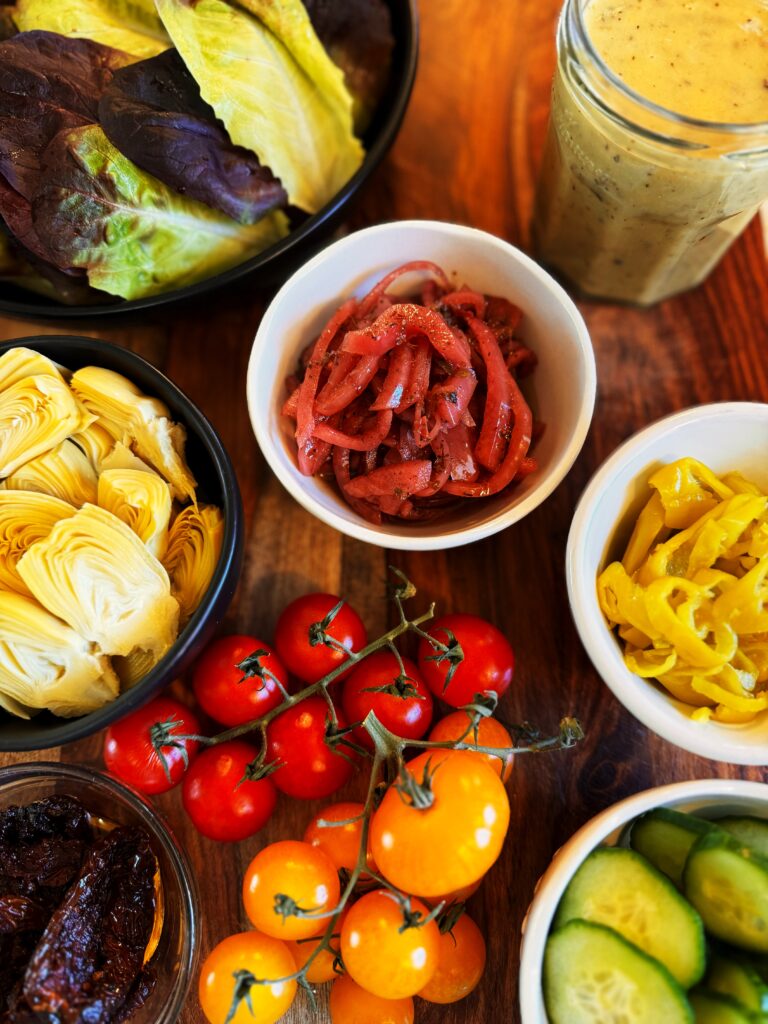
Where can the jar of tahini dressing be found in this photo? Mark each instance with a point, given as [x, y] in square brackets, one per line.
[657, 153]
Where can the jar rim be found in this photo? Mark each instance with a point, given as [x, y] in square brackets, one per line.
[745, 129]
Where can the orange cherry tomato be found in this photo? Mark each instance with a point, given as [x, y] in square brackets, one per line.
[454, 841]
[263, 957]
[458, 895]
[322, 967]
[299, 872]
[351, 1004]
[460, 963]
[383, 957]
[340, 842]
[490, 733]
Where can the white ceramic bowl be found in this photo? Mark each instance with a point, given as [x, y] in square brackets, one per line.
[726, 436]
[711, 798]
[561, 391]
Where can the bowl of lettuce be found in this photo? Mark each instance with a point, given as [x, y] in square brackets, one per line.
[152, 150]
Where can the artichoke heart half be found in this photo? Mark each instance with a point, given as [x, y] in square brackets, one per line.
[143, 422]
[36, 414]
[25, 518]
[142, 500]
[194, 546]
[64, 471]
[45, 664]
[97, 575]
[96, 442]
[18, 363]
[121, 457]
[134, 667]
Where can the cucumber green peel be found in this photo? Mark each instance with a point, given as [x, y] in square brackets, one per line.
[713, 1008]
[619, 888]
[737, 979]
[665, 837]
[594, 976]
[751, 832]
[728, 884]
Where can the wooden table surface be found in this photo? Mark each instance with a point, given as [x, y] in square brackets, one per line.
[468, 152]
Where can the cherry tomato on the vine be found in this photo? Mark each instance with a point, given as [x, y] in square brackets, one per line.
[453, 841]
[382, 955]
[296, 740]
[490, 733]
[350, 1004]
[339, 842]
[407, 711]
[323, 967]
[299, 873]
[456, 895]
[292, 635]
[233, 695]
[220, 804]
[129, 752]
[259, 955]
[460, 964]
[488, 663]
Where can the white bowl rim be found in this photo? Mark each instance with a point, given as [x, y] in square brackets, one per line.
[710, 740]
[419, 542]
[566, 860]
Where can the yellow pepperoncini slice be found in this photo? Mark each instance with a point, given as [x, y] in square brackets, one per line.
[687, 488]
[734, 702]
[689, 600]
[671, 604]
[647, 531]
[622, 600]
[650, 663]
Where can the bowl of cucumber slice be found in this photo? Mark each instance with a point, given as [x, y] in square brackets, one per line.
[655, 912]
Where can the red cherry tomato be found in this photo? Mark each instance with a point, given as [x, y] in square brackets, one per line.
[309, 767]
[221, 689]
[488, 664]
[130, 755]
[220, 804]
[310, 663]
[407, 716]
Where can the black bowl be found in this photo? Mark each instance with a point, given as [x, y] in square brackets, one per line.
[217, 484]
[275, 263]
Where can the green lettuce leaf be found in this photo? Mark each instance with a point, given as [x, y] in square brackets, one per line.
[289, 21]
[265, 99]
[129, 25]
[134, 235]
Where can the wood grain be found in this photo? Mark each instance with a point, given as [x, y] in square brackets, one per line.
[468, 152]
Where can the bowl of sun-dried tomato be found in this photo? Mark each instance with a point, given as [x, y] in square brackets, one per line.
[97, 901]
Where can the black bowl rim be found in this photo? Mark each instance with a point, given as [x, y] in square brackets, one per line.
[375, 154]
[220, 590]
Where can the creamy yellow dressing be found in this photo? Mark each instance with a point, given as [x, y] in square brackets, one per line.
[633, 204]
[706, 59]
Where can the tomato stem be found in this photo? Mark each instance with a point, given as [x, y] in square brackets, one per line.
[388, 766]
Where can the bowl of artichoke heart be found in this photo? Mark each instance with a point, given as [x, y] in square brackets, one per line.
[120, 536]
[153, 150]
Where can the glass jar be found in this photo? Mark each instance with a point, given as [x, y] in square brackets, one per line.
[634, 202]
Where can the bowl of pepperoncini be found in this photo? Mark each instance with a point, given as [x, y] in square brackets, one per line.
[667, 568]
[98, 901]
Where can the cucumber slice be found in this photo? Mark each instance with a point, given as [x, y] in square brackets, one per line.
[750, 831]
[620, 889]
[713, 1008]
[739, 980]
[665, 837]
[728, 884]
[594, 976]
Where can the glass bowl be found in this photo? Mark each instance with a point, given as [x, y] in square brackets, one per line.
[176, 955]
